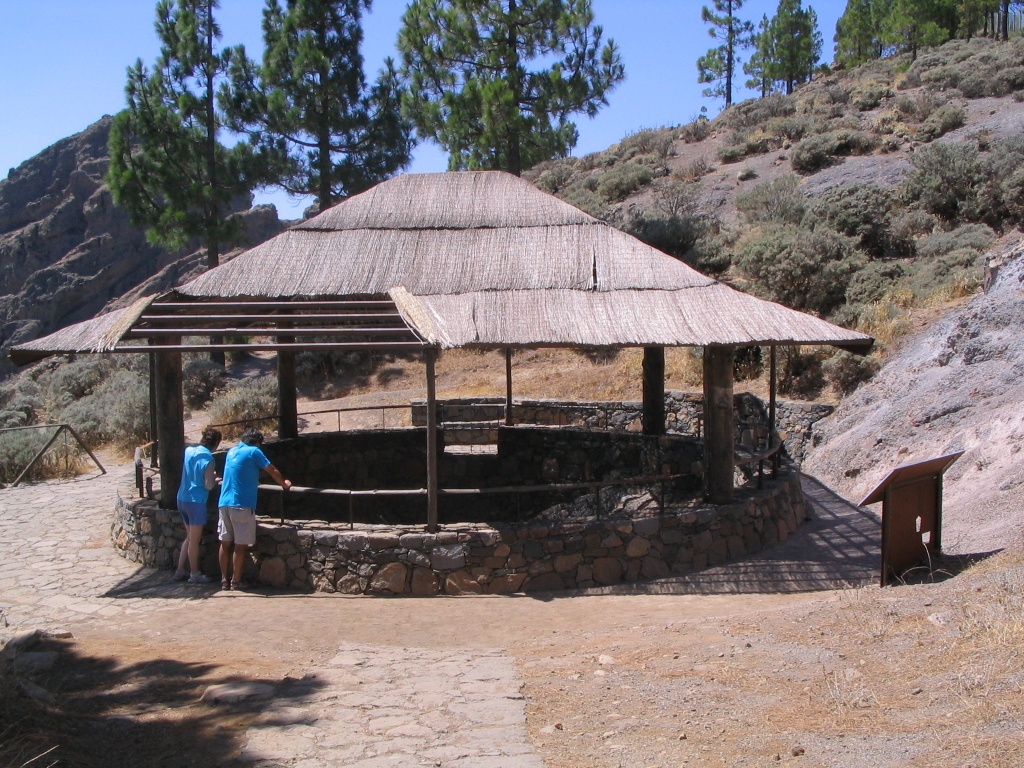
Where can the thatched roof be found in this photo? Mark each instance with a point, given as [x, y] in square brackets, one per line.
[486, 259]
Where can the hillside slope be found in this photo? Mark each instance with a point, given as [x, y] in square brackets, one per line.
[957, 386]
[66, 250]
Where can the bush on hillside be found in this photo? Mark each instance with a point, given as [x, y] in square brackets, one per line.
[949, 276]
[946, 118]
[977, 67]
[253, 401]
[844, 370]
[864, 211]
[945, 179]
[800, 372]
[753, 113]
[819, 151]
[807, 270]
[873, 282]
[698, 129]
[620, 181]
[973, 237]
[17, 449]
[780, 201]
[201, 380]
[647, 141]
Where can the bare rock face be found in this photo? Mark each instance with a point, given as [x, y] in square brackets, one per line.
[957, 386]
[67, 252]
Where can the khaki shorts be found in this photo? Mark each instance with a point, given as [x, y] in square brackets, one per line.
[237, 524]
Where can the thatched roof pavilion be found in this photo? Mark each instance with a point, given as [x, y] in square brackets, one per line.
[467, 259]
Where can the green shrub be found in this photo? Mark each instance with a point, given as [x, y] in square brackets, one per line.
[910, 223]
[17, 449]
[709, 254]
[945, 178]
[954, 274]
[862, 211]
[754, 113]
[973, 237]
[620, 181]
[780, 201]
[251, 400]
[696, 130]
[116, 411]
[555, 179]
[874, 281]
[946, 118]
[647, 141]
[816, 152]
[1001, 195]
[844, 371]
[803, 269]
[731, 153]
[201, 380]
[867, 97]
[800, 372]
[585, 199]
[977, 67]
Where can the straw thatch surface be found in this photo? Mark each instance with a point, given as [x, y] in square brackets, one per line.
[487, 259]
[101, 334]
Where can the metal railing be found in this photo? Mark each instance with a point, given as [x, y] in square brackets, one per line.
[62, 429]
[595, 485]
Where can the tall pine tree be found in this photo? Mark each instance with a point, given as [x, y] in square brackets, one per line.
[718, 65]
[310, 103]
[914, 24]
[167, 167]
[494, 82]
[795, 44]
[857, 35]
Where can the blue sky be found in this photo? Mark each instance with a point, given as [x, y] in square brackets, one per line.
[62, 65]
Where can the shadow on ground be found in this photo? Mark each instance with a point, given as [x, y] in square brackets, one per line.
[101, 713]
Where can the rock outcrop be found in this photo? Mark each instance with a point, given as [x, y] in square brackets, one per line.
[67, 252]
[957, 386]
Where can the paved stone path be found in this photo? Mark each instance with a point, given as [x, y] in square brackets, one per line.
[368, 707]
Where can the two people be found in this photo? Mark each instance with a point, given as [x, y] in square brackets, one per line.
[237, 526]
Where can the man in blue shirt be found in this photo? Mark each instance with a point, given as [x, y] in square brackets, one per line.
[237, 527]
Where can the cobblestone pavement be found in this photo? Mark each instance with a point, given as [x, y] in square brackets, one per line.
[370, 706]
[367, 704]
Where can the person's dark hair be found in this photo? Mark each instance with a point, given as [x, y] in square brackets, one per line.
[211, 438]
[252, 436]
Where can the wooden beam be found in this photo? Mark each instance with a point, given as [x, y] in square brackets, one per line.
[432, 473]
[773, 385]
[170, 425]
[719, 429]
[654, 391]
[287, 400]
[508, 387]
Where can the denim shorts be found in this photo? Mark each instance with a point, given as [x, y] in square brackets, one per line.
[192, 512]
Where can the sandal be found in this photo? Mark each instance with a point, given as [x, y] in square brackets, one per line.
[225, 584]
[240, 586]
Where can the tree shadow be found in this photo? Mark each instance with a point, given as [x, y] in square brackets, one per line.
[101, 712]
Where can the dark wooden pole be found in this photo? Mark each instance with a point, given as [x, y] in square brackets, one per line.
[153, 432]
[508, 387]
[170, 424]
[773, 386]
[719, 430]
[287, 403]
[654, 391]
[431, 443]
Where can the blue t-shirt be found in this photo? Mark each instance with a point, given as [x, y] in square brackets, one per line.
[242, 468]
[193, 474]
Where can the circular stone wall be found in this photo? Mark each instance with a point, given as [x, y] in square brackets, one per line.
[482, 558]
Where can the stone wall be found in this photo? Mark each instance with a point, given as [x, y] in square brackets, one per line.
[482, 558]
[474, 420]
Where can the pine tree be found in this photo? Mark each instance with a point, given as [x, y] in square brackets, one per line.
[795, 44]
[718, 65]
[309, 101]
[760, 60]
[857, 35]
[167, 167]
[913, 24]
[477, 84]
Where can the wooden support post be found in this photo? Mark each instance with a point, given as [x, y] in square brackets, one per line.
[153, 458]
[287, 404]
[654, 391]
[508, 387]
[773, 385]
[719, 429]
[431, 442]
[170, 424]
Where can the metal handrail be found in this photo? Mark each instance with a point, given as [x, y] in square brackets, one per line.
[596, 485]
[53, 438]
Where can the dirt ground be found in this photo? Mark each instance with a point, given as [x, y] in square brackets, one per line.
[916, 675]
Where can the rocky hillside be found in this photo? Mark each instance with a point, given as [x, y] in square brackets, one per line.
[66, 251]
[957, 386]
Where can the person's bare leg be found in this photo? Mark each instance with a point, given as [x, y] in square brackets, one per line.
[225, 560]
[194, 535]
[183, 555]
[239, 562]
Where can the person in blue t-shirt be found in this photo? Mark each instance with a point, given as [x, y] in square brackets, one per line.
[198, 478]
[237, 527]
